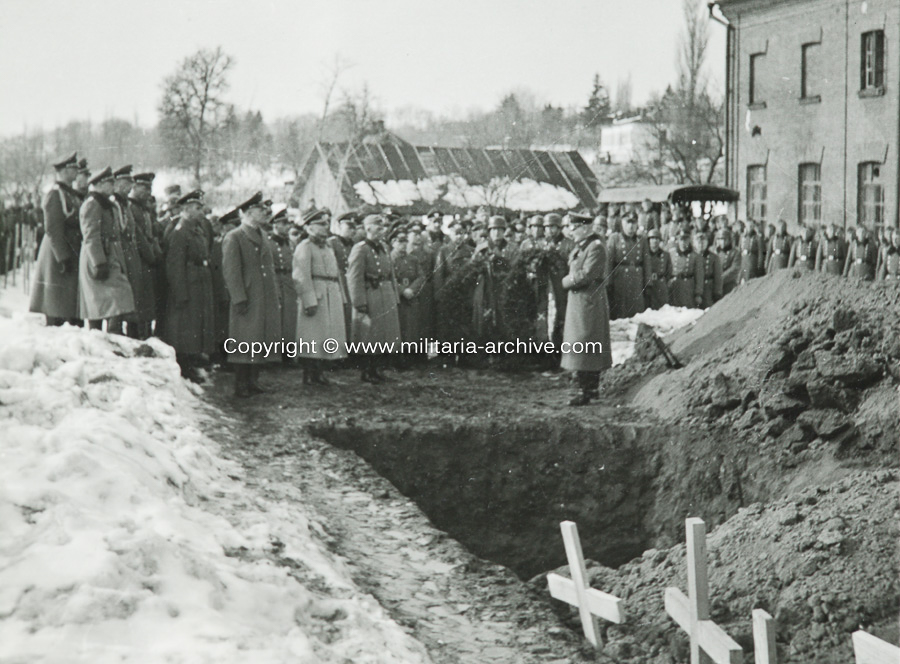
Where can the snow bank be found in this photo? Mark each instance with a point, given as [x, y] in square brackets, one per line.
[123, 537]
[663, 321]
[524, 194]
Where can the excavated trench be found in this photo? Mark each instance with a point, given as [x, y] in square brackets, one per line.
[501, 488]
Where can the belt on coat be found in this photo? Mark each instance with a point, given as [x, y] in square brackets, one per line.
[324, 278]
[282, 271]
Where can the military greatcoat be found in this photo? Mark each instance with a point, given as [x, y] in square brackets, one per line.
[248, 267]
[55, 290]
[587, 309]
[626, 263]
[284, 258]
[409, 274]
[317, 280]
[190, 325]
[830, 256]
[102, 245]
[370, 281]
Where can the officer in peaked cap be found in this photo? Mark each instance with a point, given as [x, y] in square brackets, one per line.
[81, 180]
[587, 311]
[248, 267]
[104, 291]
[125, 218]
[143, 211]
[283, 256]
[55, 289]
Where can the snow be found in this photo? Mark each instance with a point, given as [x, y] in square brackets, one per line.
[663, 321]
[524, 194]
[126, 537]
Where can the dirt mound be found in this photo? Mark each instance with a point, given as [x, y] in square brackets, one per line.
[822, 562]
[798, 360]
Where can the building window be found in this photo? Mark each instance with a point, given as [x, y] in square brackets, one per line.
[871, 65]
[809, 74]
[756, 193]
[809, 194]
[757, 94]
[871, 195]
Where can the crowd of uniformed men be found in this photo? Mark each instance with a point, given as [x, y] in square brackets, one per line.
[211, 286]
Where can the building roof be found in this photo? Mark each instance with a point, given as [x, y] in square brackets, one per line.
[447, 177]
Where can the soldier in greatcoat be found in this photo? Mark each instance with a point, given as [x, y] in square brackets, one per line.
[751, 253]
[248, 266]
[803, 250]
[125, 218]
[190, 327]
[373, 294]
[55, 290]
[831, 252]
[730, 260]
[779, 249]
[710, 271]
[657, 272]
[587, 312]
[625, 252]
[493, 257]
[686, 286]
[221, 306]
[890, 260]
[284, 259]
[862, 256]
[349, 233]
[149, 250]
[104, 291]
[317, 279]
[410, 276]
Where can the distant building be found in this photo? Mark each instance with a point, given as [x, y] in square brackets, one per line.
[415, 179]
[813, 110]
[626, 140]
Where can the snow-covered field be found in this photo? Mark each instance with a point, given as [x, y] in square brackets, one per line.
[125, 538]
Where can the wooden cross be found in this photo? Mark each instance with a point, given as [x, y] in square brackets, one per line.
[709, 642]
[763, 638]
[591, 603]
[870, 649]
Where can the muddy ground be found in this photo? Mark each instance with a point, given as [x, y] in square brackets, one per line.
[781, 432]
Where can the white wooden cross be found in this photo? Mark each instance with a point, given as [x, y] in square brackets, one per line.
[763, 637]
[591, 603]
[709, 642]
[870, 649]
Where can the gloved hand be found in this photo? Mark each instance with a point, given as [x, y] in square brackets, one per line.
[101, 272]
[242, 307]
[67, 266]
[363, 309]
[311, 311]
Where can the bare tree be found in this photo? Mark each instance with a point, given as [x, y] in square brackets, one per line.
[338, 66]
[193, 111]
[24, 163]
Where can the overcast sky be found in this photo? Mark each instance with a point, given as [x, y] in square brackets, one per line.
[96, 59]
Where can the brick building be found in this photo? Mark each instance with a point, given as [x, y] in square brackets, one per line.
[813, 110]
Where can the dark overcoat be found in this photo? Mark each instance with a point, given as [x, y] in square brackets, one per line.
[626, 262]
[248, 267]
[587, 309]
[190, 324]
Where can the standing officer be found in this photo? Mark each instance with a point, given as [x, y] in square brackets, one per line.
[373, 294]
[190, 327]
[751, 253]
[342, 244]
[729, 258]
[55, 290]
[248, 267]
[122, 207]
[657, 272]
[284, 259]
[317, 280]
[410, 279]
[710, 271]
[625, 252]
[831, 252]
[587, 312]
[103, 287]
[149, 250]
